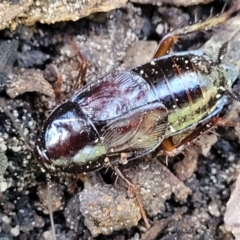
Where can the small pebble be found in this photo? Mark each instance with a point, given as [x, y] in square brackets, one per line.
[3, 185]
[15, 231]
[6, 219]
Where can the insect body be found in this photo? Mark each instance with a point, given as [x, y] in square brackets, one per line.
[132, 112]
[157, 106]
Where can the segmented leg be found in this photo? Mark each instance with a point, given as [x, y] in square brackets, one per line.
[57, 87]
[170, 146]
[83, 65]
[135, 191]
[167, 42]
[52, 75]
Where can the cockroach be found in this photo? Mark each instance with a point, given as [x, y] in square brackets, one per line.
[158, 107]
[126, 115]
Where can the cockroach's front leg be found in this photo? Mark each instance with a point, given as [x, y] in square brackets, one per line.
[52, 75]
[83, 65]
[167, 42]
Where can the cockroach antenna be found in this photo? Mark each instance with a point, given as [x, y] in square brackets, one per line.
[116, 179]
[211, 12]
[166, 160]
[50, 206]
[234, 95]
[195, 17]
[224, 7]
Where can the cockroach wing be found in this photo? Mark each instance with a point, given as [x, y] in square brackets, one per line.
[141, 130]
[114, 95]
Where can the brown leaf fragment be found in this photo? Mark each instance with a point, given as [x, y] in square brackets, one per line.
[232, 214]
[29, 80]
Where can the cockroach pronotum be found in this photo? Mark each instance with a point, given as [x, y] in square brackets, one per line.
[158, 107]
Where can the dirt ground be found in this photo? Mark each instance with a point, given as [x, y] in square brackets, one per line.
[185, 199]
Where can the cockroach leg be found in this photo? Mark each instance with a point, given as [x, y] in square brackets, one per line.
[166, 146]
[226, 123]
[170, 147]
[73, 187]
[52, 75]
[135, 191]
[234, 95]
[82, 71]
[203, 128]
[167, 41]
[57, 87]
[83, 65]
[222, 52]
